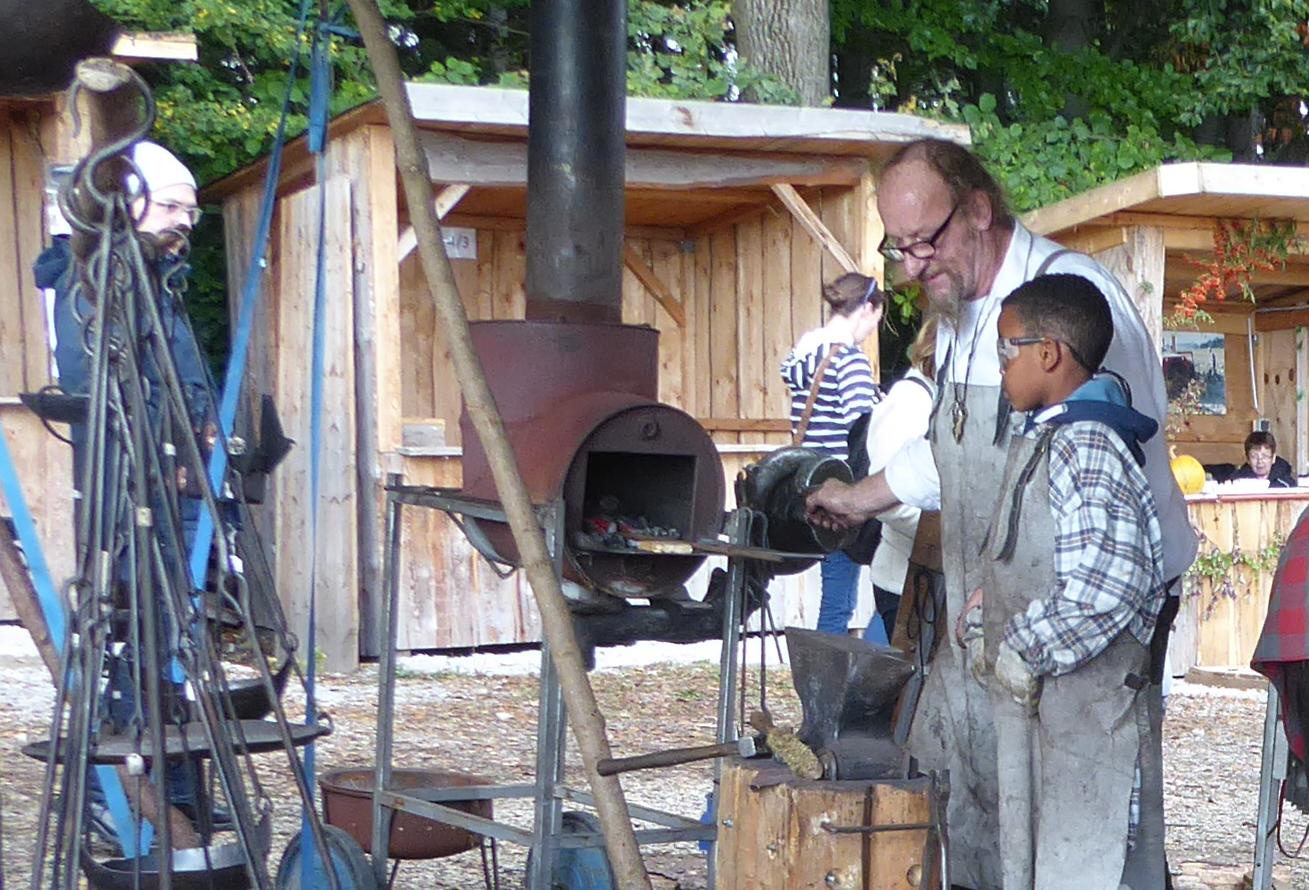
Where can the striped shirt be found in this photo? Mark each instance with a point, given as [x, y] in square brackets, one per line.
[847, 390]
[1108, 554]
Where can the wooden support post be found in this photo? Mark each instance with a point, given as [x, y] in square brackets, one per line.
[805, 215]
[444, 202]
[871, 231]
[18, 583]
[798, 833]
[112, 107]
[655, 285]
[556, 621]
[1138, 264]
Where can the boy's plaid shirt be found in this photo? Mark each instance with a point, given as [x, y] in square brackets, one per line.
[1108, 553]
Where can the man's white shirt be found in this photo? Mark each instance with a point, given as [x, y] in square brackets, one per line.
[911, 473]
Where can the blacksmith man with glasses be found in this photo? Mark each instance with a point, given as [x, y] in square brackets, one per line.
[949, 229]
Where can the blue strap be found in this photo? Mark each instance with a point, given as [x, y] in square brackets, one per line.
[250, 298]
[55, 613]
[320, 90]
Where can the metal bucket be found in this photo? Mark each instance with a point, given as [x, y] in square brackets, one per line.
[348, 804]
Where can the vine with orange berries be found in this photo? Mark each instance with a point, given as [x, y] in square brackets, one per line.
[1241, 248]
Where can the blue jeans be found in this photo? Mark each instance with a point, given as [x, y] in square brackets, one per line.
[840, 592]
[881, 627]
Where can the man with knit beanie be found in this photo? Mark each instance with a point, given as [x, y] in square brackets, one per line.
[164, 210]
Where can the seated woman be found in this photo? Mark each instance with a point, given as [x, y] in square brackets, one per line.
[1262, 462]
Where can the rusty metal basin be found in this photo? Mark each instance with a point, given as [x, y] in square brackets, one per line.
[348, 804]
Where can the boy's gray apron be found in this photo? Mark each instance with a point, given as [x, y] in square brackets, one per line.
[1066, 775]
[952, 728]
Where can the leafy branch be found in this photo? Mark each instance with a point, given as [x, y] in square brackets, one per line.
[1223, 570]
[1241, 248]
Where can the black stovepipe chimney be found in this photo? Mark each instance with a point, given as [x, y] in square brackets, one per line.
[575, 157]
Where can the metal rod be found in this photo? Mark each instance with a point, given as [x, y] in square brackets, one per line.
[386, 680]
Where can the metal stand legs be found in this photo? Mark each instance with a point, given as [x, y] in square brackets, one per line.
[1272, 771]
[549, 792]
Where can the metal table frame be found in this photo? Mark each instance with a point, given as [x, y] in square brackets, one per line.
[549, 791]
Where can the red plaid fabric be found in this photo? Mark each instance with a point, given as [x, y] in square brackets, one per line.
[1285, 637]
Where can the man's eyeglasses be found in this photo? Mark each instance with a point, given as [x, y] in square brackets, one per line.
[193, 213]
[919, 250]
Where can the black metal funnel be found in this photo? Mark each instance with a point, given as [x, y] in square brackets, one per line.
[847, 686]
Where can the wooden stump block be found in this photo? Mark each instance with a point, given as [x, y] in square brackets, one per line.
[778, 835]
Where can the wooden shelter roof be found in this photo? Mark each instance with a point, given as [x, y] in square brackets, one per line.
[729, 154]
[1186, 201]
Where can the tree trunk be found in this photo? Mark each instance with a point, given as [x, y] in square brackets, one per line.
[1072, 26]
[788, 39]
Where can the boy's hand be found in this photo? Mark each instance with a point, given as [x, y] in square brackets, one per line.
[1016, 678]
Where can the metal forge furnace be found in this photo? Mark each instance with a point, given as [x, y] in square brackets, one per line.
[580, 407]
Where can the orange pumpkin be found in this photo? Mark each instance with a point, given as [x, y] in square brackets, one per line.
[1189, 474]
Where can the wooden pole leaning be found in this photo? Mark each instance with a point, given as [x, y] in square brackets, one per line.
[583, 711]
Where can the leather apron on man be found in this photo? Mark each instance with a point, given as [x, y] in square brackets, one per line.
[1065, 776]
[952, 728]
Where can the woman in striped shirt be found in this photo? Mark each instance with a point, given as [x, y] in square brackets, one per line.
[846, 390]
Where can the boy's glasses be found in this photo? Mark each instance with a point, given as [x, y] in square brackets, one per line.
[919, 250]
[1007, 347]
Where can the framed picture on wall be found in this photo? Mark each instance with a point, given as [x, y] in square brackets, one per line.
[1195, 370]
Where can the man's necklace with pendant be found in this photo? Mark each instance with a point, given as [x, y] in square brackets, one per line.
[959, 406]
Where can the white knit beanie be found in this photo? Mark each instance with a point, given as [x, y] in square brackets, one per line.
[160, 167]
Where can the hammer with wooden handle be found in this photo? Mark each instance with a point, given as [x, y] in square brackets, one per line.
[746, 746]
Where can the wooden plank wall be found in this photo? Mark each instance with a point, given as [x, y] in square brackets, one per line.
[1276, 368]
[24, 347]
[338, 504]
[749, 290]
[1226, 628]
[44, 465]
[45, 469]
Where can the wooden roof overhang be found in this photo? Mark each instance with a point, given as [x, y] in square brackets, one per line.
[1186, 201]
[692, 166]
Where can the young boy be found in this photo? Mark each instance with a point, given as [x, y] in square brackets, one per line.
[1072, 591]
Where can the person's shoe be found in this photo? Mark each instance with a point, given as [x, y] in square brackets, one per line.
[220, 818]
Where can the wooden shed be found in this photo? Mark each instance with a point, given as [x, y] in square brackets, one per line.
[1156, 231]
[735, 214]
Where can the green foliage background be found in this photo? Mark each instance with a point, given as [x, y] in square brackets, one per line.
[1142, 82]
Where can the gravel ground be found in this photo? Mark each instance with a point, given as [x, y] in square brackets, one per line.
[479, 716]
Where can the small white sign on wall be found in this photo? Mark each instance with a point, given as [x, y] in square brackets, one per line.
[460, 243]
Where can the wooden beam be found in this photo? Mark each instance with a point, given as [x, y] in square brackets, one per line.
[744, 425]
[444, 202]
[454, 158]
[1093, 204]
[805, 215]
[151, 46]
[655, 285]
[1281, 321]
[1093, 239]
[1202, 239]
[1290, 275]
[518, 224]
